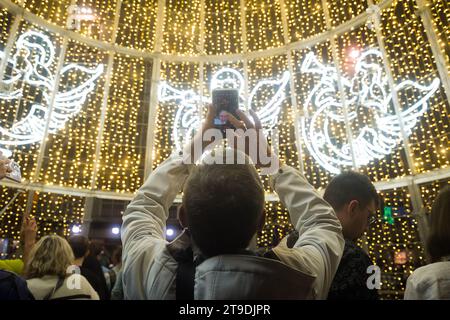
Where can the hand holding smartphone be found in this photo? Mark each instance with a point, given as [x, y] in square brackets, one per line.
[225, 101]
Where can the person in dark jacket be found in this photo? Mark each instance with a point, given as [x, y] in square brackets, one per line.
[355, 201]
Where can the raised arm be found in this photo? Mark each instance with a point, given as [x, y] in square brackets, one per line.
[144, 223]
[29, 236]
[145, 217]
[144, 220]
[320, 245]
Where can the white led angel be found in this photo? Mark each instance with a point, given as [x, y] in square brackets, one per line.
[31, 64]
[187, 117]
[375, 127]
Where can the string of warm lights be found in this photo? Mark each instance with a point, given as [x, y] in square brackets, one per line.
[223, 28]
[440, 12]
[430, 190]
[137, 24]
[57, 213]
[304, 83]
[345, 10]
[102, 27]
[393, 241]
[54, 213]
[181, 32]
[123, 145]
[182, 76]
[304, 18]
[54, 11]
[69, 157]
[277, 225]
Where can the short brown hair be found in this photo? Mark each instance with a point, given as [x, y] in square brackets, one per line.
[79, 244]
[51, 255]
[438, 243]
[348, 186]
[223, 204]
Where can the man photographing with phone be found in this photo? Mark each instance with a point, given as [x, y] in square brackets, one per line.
[222, 211]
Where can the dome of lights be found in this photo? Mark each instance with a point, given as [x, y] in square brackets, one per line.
[95, 94]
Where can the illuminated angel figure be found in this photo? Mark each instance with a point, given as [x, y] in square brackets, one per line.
[187, 117]
[31, 64]
[376, 129]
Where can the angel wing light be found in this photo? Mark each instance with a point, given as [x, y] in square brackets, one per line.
[270, 110]
[367, 93]
[31, 64]
[187, 118]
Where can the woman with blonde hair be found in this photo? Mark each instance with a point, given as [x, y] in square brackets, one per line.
[51, 275]
[433, 281]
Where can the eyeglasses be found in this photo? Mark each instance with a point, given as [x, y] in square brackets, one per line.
[371, 218]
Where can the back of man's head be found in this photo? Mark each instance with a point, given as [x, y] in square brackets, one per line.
[224, 205]
[348, 186]
[80, 245]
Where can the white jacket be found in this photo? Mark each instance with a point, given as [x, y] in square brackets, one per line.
[149, 270]
[74, 287]
[430, 282]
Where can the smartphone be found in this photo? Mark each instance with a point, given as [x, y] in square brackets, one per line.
[225, 100]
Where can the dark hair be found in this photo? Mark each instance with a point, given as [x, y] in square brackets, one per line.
[348, 186]
[95, 248]
[79, 244]
[223, 205]
[438, 243]
[117, 255]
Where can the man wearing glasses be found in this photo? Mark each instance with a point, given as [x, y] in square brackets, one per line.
[355, 201]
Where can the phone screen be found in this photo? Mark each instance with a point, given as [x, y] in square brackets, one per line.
[225, 100]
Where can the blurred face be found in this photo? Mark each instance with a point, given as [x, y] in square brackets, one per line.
[223, 117]
[355, 218]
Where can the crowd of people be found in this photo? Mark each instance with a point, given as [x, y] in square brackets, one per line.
[215, 256]
[55, 268]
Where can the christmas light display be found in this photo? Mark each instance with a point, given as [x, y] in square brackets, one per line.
[393, 126]
[367, 89]
[187, 118]
[38, 54]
